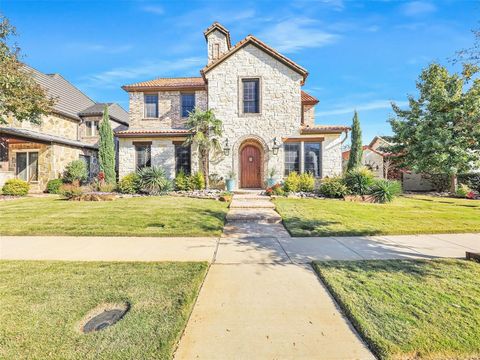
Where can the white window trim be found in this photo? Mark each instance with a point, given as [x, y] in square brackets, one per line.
[93, 128]
[145, 117]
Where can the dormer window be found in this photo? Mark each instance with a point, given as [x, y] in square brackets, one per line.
[251, 95]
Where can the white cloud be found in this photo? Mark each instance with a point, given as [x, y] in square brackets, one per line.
[84, 47]
[148, 70]
[153, 9]
[294, 34]
[372, 105]
[415, 8]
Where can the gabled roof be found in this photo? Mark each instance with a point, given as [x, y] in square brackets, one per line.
[252, 40]
[346, 154]
[115, 111]
[308, 99]
[44, 138]
[190, 83]
[324, 129]
[222, 29]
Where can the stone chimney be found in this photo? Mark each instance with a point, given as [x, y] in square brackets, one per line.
[218, 41]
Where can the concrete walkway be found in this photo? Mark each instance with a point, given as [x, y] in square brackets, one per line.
[257, 304]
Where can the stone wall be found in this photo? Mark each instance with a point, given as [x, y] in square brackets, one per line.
[332, 155]
[216, 37]
[162, 152]
[169, 110]
[82, 129]
[52, 124]
[309, 115]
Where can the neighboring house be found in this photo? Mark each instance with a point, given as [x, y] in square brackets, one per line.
[374, 157]
[39, 153]
[268, 121]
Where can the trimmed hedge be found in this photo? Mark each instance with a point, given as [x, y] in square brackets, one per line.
[53, 186]
[15, 187]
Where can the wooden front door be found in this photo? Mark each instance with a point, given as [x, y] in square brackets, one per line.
[250, 167]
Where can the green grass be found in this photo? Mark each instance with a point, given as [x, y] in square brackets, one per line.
[140, 216]
[43, 302]
[410, 309]
[405, 215]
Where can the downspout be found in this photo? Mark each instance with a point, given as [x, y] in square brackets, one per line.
[346, 137]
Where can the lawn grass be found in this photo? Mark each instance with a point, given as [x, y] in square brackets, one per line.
[139, 216]
[405, 215]
[410, 309]
[42, 303]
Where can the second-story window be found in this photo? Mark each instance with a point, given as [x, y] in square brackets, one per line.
[92, 127]
[251, 96]
[188, 104]
[151, 105]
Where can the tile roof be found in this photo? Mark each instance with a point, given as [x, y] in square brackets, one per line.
[33, 135]
[168, 84]
[152, 132]
[324, 129]
[250, 39]
[217, 26]
[346, 154]
[308, 99]
[115, 111]
[69, 100]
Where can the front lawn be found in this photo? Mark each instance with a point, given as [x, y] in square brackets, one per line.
[139, 216]
[405, 215]
[42, 304]
[410, 309]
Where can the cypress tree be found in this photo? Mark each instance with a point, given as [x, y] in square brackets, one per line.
[106, 151]
[356, 150]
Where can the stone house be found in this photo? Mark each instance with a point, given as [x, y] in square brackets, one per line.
[39, 153]
[268, 120]
[374, 157]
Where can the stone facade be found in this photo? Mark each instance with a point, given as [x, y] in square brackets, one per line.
[216, 45]
[309, 115]
[169, 109]
[53, 124]
[82, 129]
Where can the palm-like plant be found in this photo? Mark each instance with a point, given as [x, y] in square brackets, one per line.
[205, 132]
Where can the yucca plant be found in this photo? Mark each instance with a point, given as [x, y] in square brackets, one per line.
[384, 191]
[154, 181]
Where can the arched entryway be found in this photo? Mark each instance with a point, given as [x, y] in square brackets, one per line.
[251, 165]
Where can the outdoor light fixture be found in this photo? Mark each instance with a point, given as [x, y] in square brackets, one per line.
[226, 149]
[275, 146]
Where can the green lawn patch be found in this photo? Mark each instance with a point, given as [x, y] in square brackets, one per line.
[410, 309]
[139, 216]
[405, 215]
[42, 303]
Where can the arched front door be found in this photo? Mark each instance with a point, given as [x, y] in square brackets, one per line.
[250, 167]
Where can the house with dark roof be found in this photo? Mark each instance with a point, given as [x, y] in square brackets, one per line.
[268, 120]
[39, 153]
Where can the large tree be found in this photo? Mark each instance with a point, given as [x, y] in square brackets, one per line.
[205, 132]
[106, 150]
[356, 150]
[440, 131]
[20, 96]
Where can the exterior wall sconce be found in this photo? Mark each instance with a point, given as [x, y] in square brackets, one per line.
[226, 148]
[275, 146]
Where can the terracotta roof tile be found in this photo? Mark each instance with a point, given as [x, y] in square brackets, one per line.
[168, 83]
[324, 129]
[152, 132]
[308, 99]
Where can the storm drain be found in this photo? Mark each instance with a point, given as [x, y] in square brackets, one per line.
[106, 318]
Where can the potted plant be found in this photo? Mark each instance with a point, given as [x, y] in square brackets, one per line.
[271, 177]
[230, 181]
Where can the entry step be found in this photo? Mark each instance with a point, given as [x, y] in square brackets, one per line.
[251, 204]
[257, 214]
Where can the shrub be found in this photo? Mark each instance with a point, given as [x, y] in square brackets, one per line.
[182, 181]
[462, 191]
[275, 190]
[53, 186]
[75, 171]
[197, 181]
[291, 182]
[306, 182]
[154, 181]
[70, 190]
[106, 187]
[359, 180]
[15, 187]
[333, 187]
[472, 180]
[384, 191]
[129, 184]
